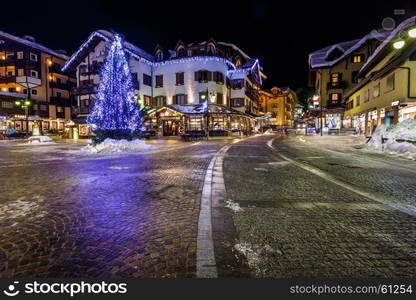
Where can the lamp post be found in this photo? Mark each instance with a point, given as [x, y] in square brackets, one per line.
[25, 104]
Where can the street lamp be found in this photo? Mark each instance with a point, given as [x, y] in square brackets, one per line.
[25, 104]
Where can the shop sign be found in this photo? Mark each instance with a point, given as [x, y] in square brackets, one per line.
[395, 103]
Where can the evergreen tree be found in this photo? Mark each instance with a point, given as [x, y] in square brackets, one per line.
[116, 113]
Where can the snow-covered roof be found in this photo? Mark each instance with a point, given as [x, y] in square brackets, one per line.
[389, 38]
[236, 49]
[319, 58]
[107, 36]
[32, 44]
[129, 46]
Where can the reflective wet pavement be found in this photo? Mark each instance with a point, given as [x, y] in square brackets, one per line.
[69, 215]
[296, 224]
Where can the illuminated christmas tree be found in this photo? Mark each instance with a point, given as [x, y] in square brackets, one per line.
[116, 113]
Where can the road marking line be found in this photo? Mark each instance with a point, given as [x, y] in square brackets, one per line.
[350, 187]
[213, 191]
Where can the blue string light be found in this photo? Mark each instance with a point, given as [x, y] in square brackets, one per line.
[115, 107]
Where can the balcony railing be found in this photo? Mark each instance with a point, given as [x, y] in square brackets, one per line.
[85, 89]
[7, 79]
[84, 110]
[60, 101]
[9, 60]
[60, 85]
[93, 69]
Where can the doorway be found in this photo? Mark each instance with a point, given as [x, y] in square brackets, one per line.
[170, 127]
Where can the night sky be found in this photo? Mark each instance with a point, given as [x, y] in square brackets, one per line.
[280, 34]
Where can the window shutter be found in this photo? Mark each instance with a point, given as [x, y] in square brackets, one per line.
[186, 99]
[175, 100]
[209, 76]
[196, 75]
[219, 98]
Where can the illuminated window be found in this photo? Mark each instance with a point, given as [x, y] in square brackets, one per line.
[195, 123]
[59, 109]
[20, 72]
[335, 97]
[356, 59]
[336, 78]
[10, 71]
[147, 100]
[238, 62]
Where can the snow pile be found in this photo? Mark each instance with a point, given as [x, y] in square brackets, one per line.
[115, 146]
[235, 207]
[39, 139]
[405, 130]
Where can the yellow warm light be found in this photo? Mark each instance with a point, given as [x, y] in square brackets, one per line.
[4, 89]
[399, 44]
[49, 62]
[18, 89]
[50, 77]
[3, 57]
[412, 33]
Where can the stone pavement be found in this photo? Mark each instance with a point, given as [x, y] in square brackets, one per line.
[296, 224]
[135, 215]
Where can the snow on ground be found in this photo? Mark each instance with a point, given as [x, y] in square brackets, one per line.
[256, 255]
[235, 207]
[405, 130]
[115, 146]
[39, 139]
[22, 207]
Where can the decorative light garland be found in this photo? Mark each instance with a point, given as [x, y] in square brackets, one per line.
[115, 106]
[234, 69]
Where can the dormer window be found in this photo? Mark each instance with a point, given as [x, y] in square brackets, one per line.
[238, 62]
[357, 59]
[181, 52]
[211, 49]
[159, 55]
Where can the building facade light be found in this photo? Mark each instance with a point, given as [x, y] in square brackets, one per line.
[412, 33]
[399, 44]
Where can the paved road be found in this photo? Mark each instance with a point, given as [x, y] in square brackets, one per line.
[297, 224]
[66, 215]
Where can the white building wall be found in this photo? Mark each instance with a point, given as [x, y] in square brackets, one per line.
[191, 87]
